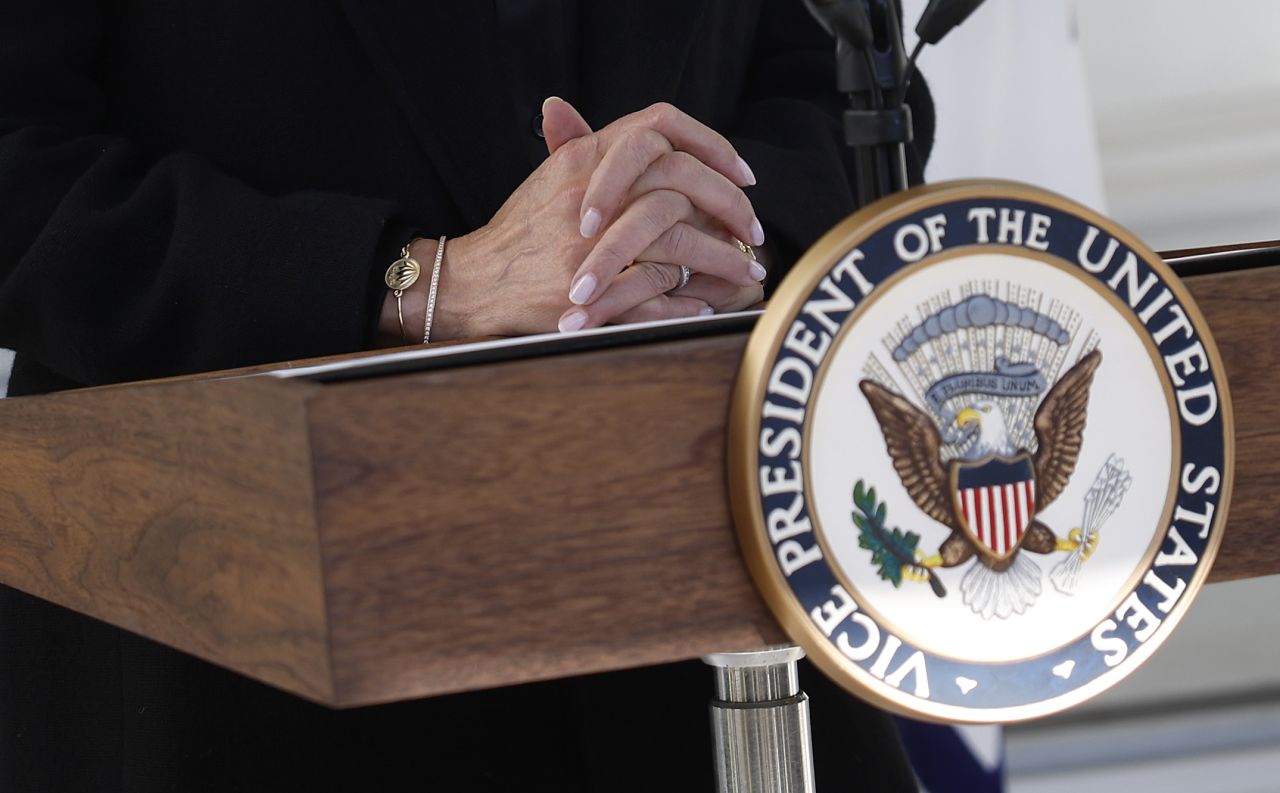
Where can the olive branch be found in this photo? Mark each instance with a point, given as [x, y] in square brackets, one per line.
[892, 550]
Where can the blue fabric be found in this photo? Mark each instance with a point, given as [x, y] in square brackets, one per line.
[944, 762]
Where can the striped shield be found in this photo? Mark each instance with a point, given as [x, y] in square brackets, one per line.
[995, 500]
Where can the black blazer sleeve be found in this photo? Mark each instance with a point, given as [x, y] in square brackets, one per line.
[790, 130]
[120, 263]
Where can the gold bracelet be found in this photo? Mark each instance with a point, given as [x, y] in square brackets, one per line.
[402, 274]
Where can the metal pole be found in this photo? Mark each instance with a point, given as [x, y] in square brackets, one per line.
[760, 719]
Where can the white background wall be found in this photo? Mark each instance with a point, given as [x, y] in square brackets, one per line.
[1012, 98]
[1164, 113]
[1187, 101]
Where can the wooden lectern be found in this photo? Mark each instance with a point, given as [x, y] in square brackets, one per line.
[474, 520]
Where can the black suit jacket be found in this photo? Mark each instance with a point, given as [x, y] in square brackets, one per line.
[194, 185]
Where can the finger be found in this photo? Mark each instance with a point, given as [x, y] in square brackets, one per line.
[627, 157]
[665, 307]
[642, 161]
[644, 221]
[720, 294]
[561, 123]
[688, 245]
[688, 134]
[640, 282]
[709, 191]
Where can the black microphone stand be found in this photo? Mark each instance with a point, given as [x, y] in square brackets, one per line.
[870, 69]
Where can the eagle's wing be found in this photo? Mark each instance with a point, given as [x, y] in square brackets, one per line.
[1059, 425]
[914, 444]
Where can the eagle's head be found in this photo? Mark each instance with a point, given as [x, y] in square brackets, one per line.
[993, 435]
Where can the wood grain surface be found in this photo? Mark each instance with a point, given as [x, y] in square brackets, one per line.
[420, 534]
[1241, 309]
[530, 520]
[180, 512]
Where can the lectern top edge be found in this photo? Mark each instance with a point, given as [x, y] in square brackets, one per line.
[1223, 259]
[419, 359]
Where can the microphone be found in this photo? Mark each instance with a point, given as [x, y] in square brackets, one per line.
[845, 20]
[941, 16]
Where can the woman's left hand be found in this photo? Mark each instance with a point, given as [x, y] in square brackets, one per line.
[659, 208]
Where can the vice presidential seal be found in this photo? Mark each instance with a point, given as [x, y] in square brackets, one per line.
[981, 452]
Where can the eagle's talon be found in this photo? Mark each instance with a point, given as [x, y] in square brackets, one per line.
[928, 561]
[1090, 546]
[1075, 538]
[920, 570]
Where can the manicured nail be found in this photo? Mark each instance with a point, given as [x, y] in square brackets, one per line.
[706, 311]
[590, 223]
[757, 233]
[748, 176]
[758, 272]
[582, 290]
[548, 101]
[573, 320]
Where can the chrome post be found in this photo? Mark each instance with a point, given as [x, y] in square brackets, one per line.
[760, 720]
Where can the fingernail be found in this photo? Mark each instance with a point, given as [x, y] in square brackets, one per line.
[757, 233]
[706, 311]
[572, 320]
[548, 101]
[582, 290]
[748, 175]
[590, 223]
[758, 272]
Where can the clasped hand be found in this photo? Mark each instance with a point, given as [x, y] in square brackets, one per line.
[598, 232]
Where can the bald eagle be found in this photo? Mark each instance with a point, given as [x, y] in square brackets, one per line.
[991, 497]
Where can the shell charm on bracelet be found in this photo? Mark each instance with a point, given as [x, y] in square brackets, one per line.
[403, 273]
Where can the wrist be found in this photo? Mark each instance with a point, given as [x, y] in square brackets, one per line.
[459, 307]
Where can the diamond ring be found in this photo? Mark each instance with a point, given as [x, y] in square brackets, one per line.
[685, 272]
